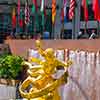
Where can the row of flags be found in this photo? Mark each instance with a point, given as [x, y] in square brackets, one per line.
[71, 13]
[34, 11]
[85, 3]
[27, 12]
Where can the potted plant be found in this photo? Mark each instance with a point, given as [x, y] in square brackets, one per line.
[10, 68]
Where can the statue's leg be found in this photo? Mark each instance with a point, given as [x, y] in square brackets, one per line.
[56, 95]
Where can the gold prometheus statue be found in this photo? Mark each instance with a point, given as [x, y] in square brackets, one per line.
[43, 80]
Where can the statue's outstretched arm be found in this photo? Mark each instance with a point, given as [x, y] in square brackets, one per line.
[40, 50]
[36, 60]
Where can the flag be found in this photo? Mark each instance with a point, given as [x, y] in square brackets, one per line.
[96, 9]
[21, 19]
[34, 6]
[63, 11]
[53, 11]
[71, 9]
[85, 6]
[65, 5]
[62, 14]
[14, 18]
[27, 14]
[18, 9]
[45, 8]
[42, 11]
[42, 5]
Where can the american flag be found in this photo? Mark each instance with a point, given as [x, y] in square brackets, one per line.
[71, 9]
[27, 13]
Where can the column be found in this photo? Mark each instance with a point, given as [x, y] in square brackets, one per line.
[76, 21]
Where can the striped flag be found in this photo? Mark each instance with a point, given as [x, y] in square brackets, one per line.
[27, 14]
[71, 9]
[63, 11]
[53, 11]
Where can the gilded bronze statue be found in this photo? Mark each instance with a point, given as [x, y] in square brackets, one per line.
[41, 84]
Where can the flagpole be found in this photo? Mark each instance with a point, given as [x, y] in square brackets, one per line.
[62, 31]
[53, 30]
[85, 29]
[73, 28]
[98, 28]
[26, 29]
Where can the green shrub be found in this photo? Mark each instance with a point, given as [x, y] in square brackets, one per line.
[10, 66]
